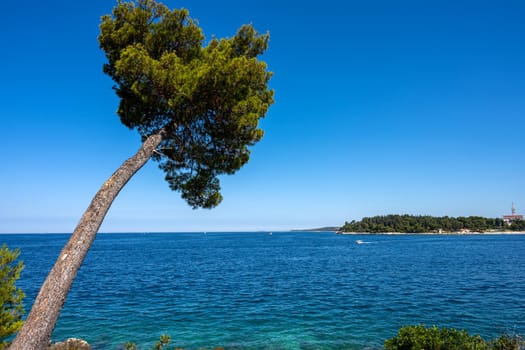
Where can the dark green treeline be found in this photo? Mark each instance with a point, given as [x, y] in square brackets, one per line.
[421, 224]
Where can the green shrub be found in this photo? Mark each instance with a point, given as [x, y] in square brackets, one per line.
[11, 307]
[506, 342]
[433, 338]
[422, 338]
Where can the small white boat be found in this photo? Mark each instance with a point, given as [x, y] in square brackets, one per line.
[359, 241]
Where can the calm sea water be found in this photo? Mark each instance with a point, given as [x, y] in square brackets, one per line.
[281, 291]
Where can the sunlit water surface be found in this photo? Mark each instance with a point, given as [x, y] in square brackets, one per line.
[281, 291]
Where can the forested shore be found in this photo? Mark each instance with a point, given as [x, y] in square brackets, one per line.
[431, 224]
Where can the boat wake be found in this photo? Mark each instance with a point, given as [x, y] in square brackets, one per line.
[359, 241]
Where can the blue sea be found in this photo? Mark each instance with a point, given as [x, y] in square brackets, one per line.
[287, 290]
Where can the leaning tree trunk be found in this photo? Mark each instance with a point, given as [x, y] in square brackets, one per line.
[37, 329]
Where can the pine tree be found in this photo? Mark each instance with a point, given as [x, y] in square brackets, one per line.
[11, 297]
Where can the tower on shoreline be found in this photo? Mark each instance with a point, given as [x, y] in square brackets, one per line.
[513, 217]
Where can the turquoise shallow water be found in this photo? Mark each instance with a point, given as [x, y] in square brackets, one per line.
[281, 291]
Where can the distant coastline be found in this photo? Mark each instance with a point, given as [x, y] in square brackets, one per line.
[486, 233]
[410, 224]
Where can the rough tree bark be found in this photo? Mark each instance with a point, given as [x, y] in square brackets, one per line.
[37, 329]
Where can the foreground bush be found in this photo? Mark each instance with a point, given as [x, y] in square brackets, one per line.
[11, 308]
[433, 338]
[508, 343]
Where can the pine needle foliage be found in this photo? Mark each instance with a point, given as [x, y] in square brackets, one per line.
[11, 297]
[205, 99]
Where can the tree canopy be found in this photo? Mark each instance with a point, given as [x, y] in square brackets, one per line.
[206, 100]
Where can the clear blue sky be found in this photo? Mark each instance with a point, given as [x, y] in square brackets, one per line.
[382, 106]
